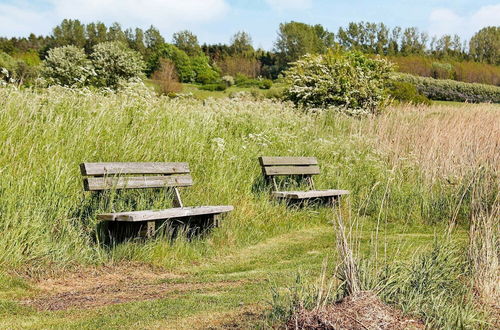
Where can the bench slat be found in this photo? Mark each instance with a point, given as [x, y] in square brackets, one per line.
[283, 161]
[291, 170]
[178, 212]
[99, 169]
[131, 182]
[309, 194]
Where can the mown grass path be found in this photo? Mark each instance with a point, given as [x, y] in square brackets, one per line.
[227, 291]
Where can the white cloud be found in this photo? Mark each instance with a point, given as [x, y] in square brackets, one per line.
[289, 4]
[167, 15]
[446, 21]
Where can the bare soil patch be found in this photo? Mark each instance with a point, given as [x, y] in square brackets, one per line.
[107, 285]
[363, 311]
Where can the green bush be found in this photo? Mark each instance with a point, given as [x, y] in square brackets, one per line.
[349, 80]
[450, 90]
[115, 63]
[266, 84]
[242, 80]
[407, 93]
[68, 66]
[204, 73]
[214, 87]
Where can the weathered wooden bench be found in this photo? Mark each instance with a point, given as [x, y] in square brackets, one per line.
[303, 167]
[111, 176]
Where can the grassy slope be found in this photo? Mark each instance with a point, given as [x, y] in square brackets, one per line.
[45, 136]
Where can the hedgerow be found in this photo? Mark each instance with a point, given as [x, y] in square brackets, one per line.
[450, 90]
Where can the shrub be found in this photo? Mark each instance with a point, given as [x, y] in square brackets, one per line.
[348, 80]
[214, 87]
[204, 73]
[67, 66]
[115, 63]
[166, 78]
[266, 84]
[407, 93]
[450, 90]
[228, 80]
[242, 80]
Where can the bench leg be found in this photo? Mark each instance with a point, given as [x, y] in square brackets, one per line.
[150, 229]
[216, 220]
[335, 201]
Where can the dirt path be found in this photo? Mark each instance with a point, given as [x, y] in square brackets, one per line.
[107, 285]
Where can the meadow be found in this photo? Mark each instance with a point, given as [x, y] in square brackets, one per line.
[420, 179]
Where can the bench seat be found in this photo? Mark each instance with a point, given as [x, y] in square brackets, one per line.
[176, 212]
[309, 194]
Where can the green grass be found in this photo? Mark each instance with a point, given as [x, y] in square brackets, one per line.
[48, 222]
[271, 263]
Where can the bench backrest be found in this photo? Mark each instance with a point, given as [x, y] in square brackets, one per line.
[107, 176]
[284, 166]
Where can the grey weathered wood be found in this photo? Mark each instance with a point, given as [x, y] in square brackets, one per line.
[134, 182]
[177, 198]
[101, 169]
[291, 170]
[283, 161]
[178, 212]
[150, 229]
[309, 194]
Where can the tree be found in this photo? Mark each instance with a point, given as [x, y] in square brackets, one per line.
[69, 32]
[296, 39]
[166, 78]
[484, 46]
[180, 59]
[241, 44]
[188, 42]
[153, 38]
[115, 33]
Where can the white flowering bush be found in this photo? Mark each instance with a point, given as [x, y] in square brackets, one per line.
[350, 82]
[67, 66]
[228, 80]
[115, 63]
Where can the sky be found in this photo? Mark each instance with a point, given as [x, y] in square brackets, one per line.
[215, 21]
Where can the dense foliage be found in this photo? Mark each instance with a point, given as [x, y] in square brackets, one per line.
[68, 66]
[115, 63]
[466, 71]
[110, 64]
[444, 57]
[19, 71]
[450, 90]
[406, 92]
[484, 46]
[350, 80]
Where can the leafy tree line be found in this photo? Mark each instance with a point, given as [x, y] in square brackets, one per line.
[207, 63]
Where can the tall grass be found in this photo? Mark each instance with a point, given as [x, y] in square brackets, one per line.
[47, 220]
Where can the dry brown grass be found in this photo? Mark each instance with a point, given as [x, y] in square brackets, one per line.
[462, 145]
[443, 140]
[361, 311]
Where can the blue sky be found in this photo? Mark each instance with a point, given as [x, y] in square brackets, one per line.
[216, 21]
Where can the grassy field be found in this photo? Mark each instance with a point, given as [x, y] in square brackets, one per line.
[413, 173]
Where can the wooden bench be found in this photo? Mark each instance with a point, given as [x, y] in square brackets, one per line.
[303, 167]
[111, 176]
